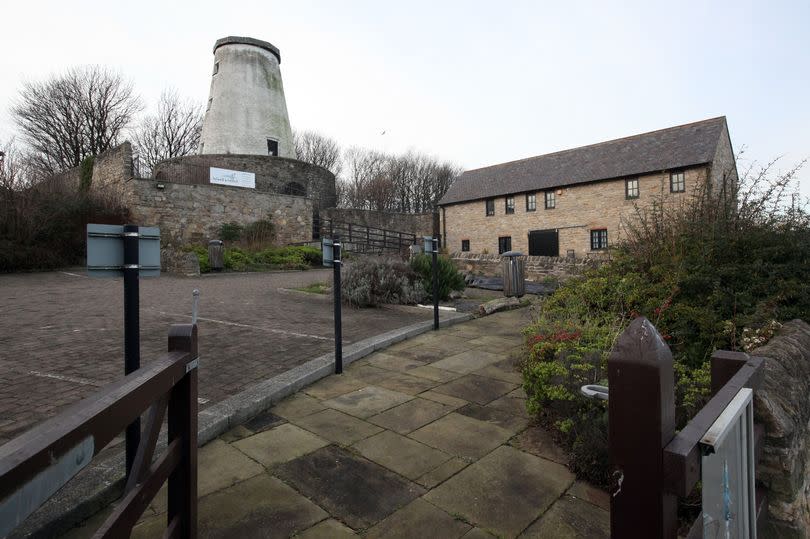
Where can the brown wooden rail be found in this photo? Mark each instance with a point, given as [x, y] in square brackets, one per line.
[36, 464]
[653, 465]
[365, 239]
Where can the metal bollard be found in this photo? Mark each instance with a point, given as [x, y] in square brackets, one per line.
[195, 302]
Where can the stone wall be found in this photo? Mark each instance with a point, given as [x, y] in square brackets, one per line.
[194, 213]
[538, 268]
[783, 406]
[579, 209]
[273, 174]
[420, 224]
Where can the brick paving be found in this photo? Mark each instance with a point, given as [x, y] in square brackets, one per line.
[367, 454]
[61, 333]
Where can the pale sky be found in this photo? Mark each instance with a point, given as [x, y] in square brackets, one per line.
[477, 83]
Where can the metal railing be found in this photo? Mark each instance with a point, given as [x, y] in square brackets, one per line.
[36, 464]
[652, 464]
[365, 239]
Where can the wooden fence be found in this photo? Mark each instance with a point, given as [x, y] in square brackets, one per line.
[365, 239]
[36, 464]
[653, 465]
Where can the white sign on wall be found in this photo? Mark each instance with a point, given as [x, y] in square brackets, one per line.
[234, 178]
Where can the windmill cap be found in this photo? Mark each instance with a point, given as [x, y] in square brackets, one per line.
[237, 40]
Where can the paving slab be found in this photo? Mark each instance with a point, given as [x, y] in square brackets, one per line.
[219, 465]
[462, 436]
[354, 490]
[571, 518]
[419, 519]
[328, 529]
[501, 371]
[538, 441]
[432, 373]
[444, 342]
[367, 401]
[279, 444]
[499, 342]
[468, 361]
[454, 402]
[264, 421]
[510, 422]
[510, 405]
[402, 455]
[411, 415]
[236, 433]
[443, 472]
[422, 352]
[591, 494]
[337, 427]
[477, 389]
[394, 362]
[367, 373]
[262, 506]
[298, 405]
[405, 383]
[478, 533]
[503, 492]
[333, 386]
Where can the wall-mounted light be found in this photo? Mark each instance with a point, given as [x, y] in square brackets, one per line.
[559, 191]
[160, 186]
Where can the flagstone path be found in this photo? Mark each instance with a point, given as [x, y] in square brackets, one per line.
[428, 438]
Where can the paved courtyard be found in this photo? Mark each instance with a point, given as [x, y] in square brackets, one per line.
[428, 438]
[61, 333]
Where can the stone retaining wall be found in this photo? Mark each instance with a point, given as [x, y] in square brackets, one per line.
[194, 213]
[538, 268]
[783, 406]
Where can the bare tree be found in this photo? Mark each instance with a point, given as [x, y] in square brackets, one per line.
[318, 149]
[74, 115]
[172, 131]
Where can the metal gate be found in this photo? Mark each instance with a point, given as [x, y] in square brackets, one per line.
[544, 242]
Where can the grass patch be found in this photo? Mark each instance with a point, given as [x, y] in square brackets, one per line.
[314, 288]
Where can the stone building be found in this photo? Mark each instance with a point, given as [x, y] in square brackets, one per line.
[247, 110]
[574, 202]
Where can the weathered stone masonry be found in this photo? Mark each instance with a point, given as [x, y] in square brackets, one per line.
[194, 213]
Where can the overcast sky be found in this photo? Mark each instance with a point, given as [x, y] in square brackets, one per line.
[478, 83]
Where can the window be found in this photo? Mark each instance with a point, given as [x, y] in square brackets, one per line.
[465, 245]
[551, 200]
[510, 205]
[599, 239]
[677, 182]
[216, 68]
[531, 202]
[631, 188]
[490, 207]
[272, 147]
[504, 244]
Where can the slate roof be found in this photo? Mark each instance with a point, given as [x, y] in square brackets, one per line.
[671, 148]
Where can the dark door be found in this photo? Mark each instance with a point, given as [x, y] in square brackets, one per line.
[544, 243]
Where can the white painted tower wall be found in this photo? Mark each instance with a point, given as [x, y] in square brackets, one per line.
[246, 106]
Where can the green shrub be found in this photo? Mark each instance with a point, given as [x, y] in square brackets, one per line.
[235, 259]
[230, 231]
[368, 282]
[449, 277]
[720, 273]
[259, 233]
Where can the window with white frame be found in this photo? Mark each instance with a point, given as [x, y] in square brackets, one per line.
[677, 182]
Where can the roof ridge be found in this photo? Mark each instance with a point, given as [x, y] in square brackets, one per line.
[707, 120]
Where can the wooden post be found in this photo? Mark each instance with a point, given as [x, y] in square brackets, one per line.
[182, 498]
[641, 423]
